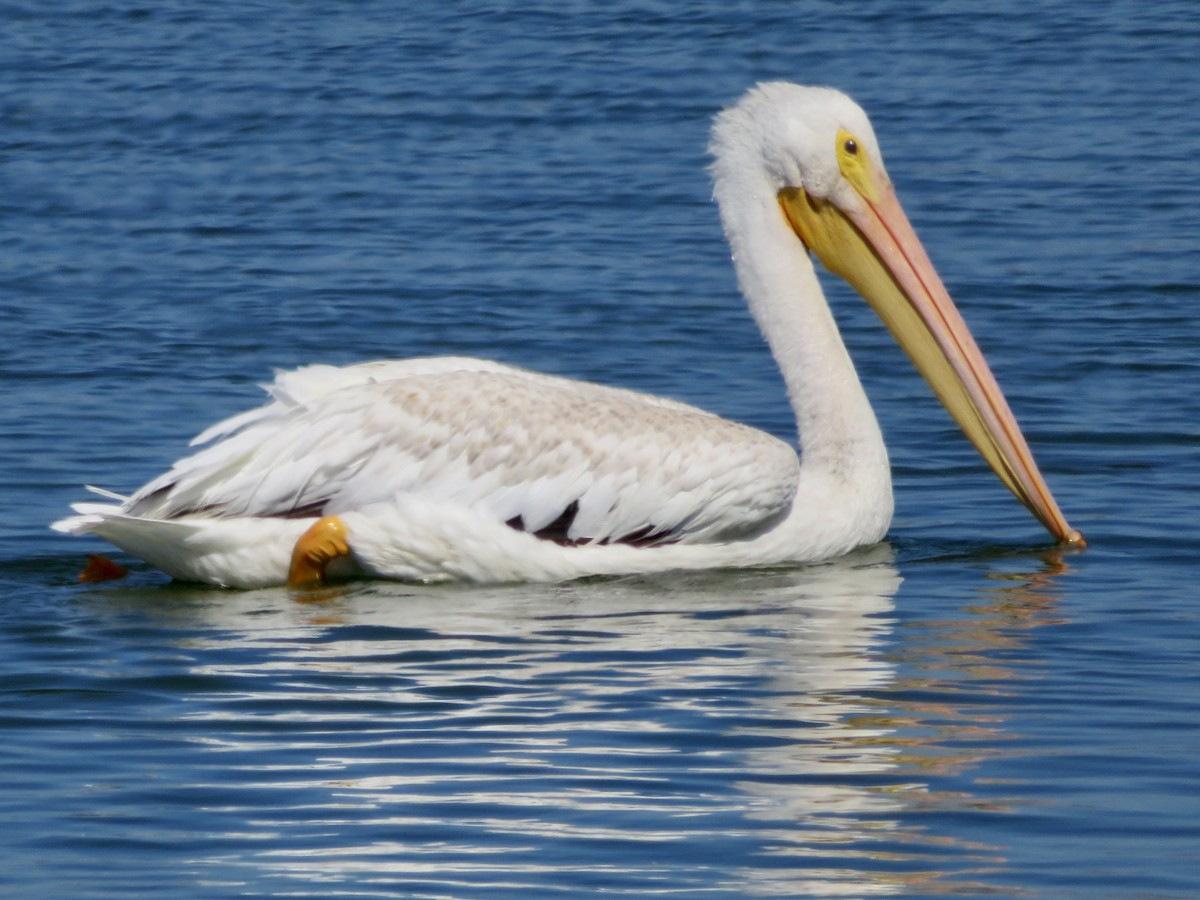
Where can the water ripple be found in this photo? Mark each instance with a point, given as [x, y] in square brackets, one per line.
[194, 195]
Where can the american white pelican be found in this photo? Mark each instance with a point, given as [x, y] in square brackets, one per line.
[461, 469]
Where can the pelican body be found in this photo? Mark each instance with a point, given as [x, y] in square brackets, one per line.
[461, 469]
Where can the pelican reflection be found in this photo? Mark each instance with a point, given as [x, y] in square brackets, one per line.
[773, 733]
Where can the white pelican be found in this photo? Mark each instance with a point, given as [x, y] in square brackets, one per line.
[461, 469]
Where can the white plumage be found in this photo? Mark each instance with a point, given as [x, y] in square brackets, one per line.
[457, 468]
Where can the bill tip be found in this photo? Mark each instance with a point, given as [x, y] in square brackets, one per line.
[1074, 538]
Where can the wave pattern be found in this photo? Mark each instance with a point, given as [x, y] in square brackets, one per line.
[195, 194]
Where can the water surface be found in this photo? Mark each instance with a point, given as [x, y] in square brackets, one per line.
[194, 196]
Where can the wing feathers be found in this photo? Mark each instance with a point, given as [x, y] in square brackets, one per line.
[566, 460]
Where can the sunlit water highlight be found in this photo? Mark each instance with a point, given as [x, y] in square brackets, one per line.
[733, 733]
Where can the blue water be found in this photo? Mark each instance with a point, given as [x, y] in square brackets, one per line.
[192, 195]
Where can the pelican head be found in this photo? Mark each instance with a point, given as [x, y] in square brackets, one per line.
[812, 152]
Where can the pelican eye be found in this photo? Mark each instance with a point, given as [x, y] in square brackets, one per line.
[855, 165]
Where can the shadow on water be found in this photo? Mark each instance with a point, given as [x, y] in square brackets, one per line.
[775, 733]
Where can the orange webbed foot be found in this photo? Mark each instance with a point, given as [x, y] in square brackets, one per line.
[101, 568]
[322, 543]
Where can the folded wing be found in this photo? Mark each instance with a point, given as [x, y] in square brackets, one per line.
[565, 460]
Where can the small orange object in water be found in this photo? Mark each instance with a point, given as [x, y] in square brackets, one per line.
[101, 568]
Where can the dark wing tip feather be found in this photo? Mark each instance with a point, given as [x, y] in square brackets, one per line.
[558, 531]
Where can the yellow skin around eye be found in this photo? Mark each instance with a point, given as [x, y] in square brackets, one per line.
[855, 167]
